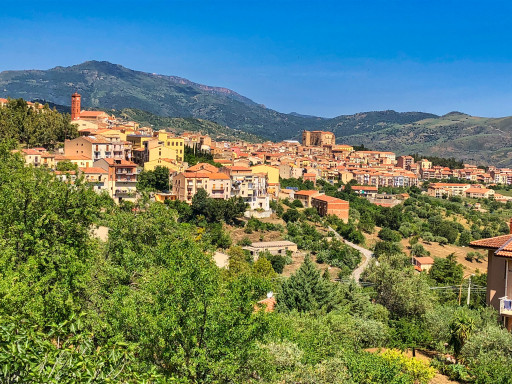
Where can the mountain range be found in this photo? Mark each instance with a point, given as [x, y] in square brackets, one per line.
[153, 97]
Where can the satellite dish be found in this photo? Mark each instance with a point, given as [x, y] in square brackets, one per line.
[270, 294]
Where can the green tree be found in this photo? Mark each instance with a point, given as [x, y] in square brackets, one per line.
[399, 288]
[35, 126]
[306, 290]
[387, 248]
[447, 271]
[387, 234]
[461, 328]
[44, 233]
[156, 180]
[291, 215]
[66, 166]
[465, 238]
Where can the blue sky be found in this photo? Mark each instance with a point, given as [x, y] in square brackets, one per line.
[324, 58]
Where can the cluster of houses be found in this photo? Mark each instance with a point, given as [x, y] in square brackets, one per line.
[111, 152]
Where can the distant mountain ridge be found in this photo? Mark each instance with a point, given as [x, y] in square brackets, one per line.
[111, 86]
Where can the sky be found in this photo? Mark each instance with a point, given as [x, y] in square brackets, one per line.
[324, 58]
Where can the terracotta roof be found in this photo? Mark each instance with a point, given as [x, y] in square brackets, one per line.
[239, 168]
[92, 113]
[477, 190]
[72, 157]
[97, 139]
[492, 243]
[196, 175]
[424, 260]
[329, 199]
[119, 162]
[218, 176]
[31, 152]
[92, 170]
[203, 167]
[269, 303]
[364, 188]
[306, 193]
[435, 185]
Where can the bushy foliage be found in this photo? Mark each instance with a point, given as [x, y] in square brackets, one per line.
[157, 180]
[299, 183]
[33, 126]
[387, 234]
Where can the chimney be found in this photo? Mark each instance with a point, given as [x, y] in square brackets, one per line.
[510, 225]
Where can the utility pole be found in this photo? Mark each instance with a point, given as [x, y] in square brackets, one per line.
[469, 290]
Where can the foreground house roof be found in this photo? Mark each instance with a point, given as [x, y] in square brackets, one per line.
[502, 245]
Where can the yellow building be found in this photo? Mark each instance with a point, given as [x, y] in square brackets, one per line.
[137, 141]
[80, 160]
[171, 164]
[271, 172]
[176, 143]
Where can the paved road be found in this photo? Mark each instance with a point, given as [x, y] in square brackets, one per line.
[356, 274]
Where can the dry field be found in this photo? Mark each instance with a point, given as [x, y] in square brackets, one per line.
[437, 250]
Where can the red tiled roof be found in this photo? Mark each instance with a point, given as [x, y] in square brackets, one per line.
[494, 243]
[269, 303]
[92, 170]
[329, 199]
[306, 193]
[92, 113]
[477, 190]
[425, 260]
[196, 175]
[120, 162]
[72, 157]
[203, 167]
[239, 168]
[31, 152]
[218, 176]
[364, 188]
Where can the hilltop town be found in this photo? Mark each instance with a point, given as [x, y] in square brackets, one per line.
[111, 152]
[387, 244]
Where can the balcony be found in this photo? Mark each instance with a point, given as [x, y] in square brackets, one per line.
[123, 192]
[125, 170]
[506, 306]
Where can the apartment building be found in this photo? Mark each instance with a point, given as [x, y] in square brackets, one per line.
[122, 178]
[176, 143]
[447, 189]
[96, 177]
[152, 150]
[405, 162]
[97, 147]
[185, 185]
[252, 187]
